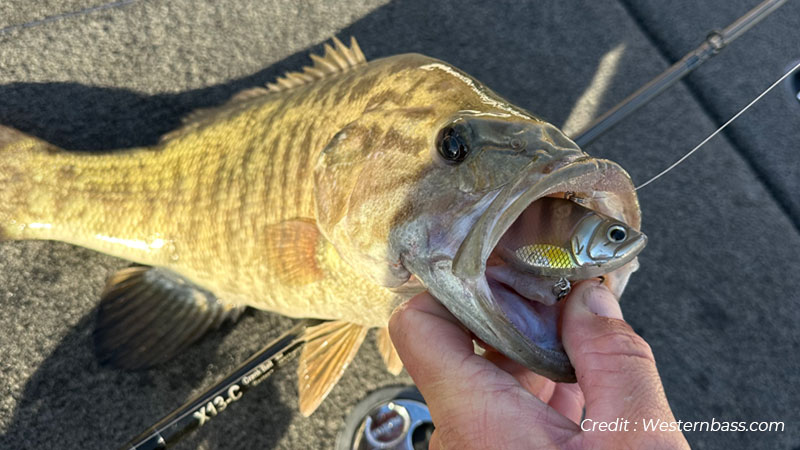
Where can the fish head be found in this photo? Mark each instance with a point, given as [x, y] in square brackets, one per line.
[417, 192]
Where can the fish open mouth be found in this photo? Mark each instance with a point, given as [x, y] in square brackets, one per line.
[530, 302]
[522, 311]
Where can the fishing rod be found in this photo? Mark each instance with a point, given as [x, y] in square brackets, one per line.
[714, 43]
[200, 409]
[205, 406]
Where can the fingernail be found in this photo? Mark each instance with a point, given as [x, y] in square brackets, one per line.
[602, 302]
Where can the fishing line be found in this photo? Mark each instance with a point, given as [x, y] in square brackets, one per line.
[663, 172]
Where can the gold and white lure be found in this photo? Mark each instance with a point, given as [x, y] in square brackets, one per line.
[559, 238]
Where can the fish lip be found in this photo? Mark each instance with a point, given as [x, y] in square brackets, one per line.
[490, 323]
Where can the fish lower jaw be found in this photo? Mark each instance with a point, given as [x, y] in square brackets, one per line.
[529, 304]
[527, 286]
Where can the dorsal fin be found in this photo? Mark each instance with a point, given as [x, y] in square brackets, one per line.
[202, 114]
[337, 59]
[334, 61]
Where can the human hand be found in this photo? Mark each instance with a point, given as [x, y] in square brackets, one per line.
[493, 402]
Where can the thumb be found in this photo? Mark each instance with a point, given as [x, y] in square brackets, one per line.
[614, 365]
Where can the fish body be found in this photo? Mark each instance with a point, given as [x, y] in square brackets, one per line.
[221, 202]
[335, 193]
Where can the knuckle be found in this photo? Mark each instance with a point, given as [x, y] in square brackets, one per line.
[619, 341]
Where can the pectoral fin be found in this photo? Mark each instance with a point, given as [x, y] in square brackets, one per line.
[147, 315]
[388, 352]
[328, 350]
[293, 245]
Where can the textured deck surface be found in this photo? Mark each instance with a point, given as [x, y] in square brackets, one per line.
[716, 296]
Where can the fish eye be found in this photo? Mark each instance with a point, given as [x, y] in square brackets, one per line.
[451, 146]
[616, 233]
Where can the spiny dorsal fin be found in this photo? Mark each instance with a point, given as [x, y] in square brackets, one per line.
[328, 350]
[336, 60]
[148, 315]
[386, 348]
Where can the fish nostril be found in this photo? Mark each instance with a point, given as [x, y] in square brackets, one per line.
[518, 144]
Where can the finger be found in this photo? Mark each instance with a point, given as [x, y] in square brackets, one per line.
[534, 383]
[615, 366]
[430, 341]
[568, 400]
[434, 443]
[471, 400]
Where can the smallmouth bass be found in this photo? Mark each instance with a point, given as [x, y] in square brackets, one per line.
[337, 193]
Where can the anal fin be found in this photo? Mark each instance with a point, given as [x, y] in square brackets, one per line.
[328, 350]
[393, 363]
[148, 315]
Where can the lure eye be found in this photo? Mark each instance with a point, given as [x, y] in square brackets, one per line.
[616, 234]
[452, 146]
